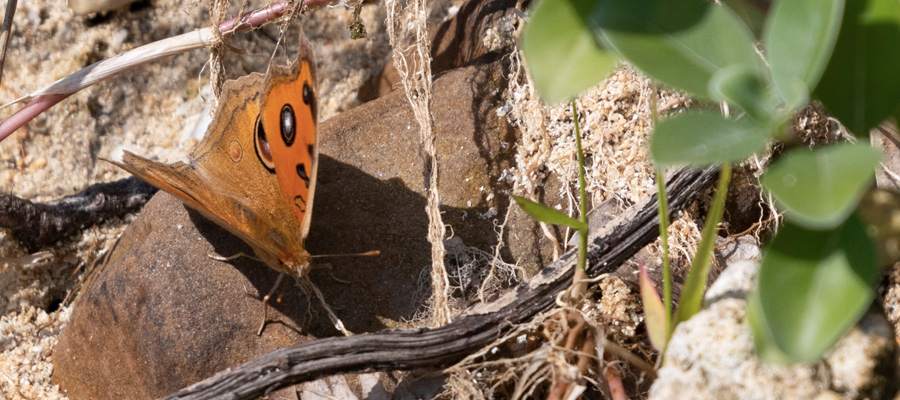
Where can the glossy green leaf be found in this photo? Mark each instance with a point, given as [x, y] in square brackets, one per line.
[688, 59]
[654, 311]
[563, 55]
[813, 286]
[546, 214]
[860, 86]
[820, 188]
[706, 137]
[647, 16]
[741, 85]
[695, 285]
[800, 36]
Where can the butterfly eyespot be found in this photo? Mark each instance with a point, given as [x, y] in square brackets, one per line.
[307, 94]
[235, 150]
[261, 142]
[301, 171]
[288, 125]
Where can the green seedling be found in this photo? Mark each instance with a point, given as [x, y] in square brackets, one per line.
[546, 214]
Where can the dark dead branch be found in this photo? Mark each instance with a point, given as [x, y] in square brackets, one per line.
[444, 346]
[39, 224]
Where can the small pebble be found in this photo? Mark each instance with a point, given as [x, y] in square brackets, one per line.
[38, 164]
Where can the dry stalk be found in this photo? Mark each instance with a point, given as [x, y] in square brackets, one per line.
[49, 96]
[413, 62]
[218, 9]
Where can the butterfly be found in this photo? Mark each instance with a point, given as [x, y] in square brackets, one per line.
[254, 171]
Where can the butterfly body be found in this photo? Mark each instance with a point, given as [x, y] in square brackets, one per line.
[254, 172]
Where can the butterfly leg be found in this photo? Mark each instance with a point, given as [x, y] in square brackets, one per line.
[265, 302]
[219, 257]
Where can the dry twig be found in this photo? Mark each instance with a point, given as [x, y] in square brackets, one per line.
[39, 224]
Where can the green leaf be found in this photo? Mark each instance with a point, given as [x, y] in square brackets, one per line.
[654, 312]
[763, 341]
[742, 86]
[706, 137]
[749, 12]
[663, 214]
[692, 293]
[820, 188]
[647, 16]
[562, 53]
[860, 85]
[546, 214]
[800, 35]
[813, 286]
[688, 59]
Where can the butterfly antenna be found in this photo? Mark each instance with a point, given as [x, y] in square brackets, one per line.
[366, 254]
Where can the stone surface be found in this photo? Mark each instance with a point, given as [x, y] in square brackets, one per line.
[474, 31]
[162, 314]
[711, 355]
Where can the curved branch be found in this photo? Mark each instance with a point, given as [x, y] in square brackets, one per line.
[446, 345]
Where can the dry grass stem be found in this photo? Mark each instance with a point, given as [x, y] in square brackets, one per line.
[112, 66]
[408, 33]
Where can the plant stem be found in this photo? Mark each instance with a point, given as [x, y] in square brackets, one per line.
[663, 225]
[664, 238]
[692, 293]
[579, 286]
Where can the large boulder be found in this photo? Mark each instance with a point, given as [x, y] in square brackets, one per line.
[163, 314]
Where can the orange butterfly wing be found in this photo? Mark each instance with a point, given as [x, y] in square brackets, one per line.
[266, 199]
[288, 117]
